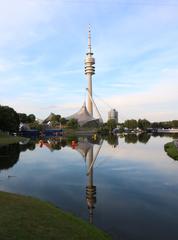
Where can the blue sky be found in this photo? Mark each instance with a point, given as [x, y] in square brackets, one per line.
[135, 44]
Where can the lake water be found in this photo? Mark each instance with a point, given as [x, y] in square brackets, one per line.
[129, 191]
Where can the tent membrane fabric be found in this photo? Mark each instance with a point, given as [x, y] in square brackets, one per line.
[83, 117]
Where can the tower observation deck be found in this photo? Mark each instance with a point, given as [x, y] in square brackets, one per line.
[89, 71]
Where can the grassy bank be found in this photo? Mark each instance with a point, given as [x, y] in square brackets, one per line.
[9, 139]
[28, 218]
[171, 150]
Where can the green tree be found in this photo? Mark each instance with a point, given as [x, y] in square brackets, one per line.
[9, 119]
[58, 118]
[131, 124]
[175, 123]
[23, 117]
[72, 123]
[111, 124]
[166, 125]
[155, 125]
[36, 125]
[63, 121]
[104, 130]
[143, 124]
[55, 120]
[31, 118]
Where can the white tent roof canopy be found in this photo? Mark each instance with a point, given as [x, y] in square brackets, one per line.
[83, 116]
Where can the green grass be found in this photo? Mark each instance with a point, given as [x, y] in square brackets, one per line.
[8, 139]
[171, 150]
[26, 218]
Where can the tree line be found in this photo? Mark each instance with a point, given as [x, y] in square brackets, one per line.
[132, 124]
[144, 124]
[10, 120]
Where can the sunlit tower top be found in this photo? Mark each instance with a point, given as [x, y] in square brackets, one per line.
[89, 71]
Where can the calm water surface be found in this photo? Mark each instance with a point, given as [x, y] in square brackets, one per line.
[136, 193]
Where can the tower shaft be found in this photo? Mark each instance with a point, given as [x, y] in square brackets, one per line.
[90, 104]
[89, 71]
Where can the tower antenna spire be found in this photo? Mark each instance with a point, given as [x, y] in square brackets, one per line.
[89, 38]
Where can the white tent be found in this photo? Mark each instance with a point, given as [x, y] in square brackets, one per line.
[83, 117]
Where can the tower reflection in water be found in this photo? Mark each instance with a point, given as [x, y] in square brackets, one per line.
[90, 152]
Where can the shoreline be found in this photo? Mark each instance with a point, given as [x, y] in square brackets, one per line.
[171, 148]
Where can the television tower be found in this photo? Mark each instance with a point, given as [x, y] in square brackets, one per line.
[89, 71]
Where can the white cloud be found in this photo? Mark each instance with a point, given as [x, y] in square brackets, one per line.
[20, 20]
[156, 103]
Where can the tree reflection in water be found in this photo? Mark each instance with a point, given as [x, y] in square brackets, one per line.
[52, 143]
[9, 154]
[134, 138]
[144, 137]
[112, 140]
